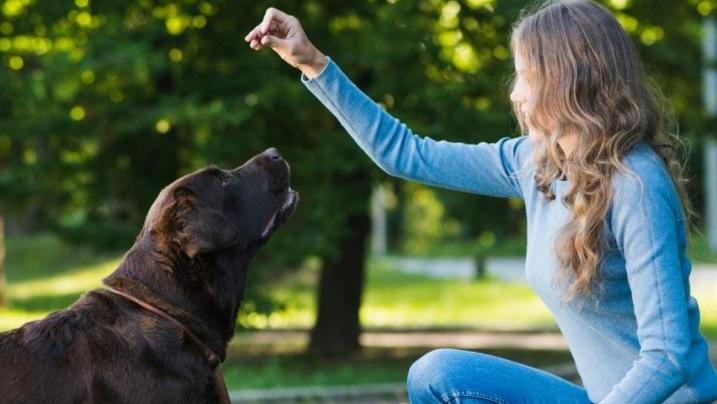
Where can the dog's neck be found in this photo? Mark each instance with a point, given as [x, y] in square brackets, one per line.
[182, 288]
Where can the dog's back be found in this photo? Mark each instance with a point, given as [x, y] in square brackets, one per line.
[44, 360]
[98, 350]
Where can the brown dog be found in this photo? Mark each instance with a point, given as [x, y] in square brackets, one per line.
[189, 261]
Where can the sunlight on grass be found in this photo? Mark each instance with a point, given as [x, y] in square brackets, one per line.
[79, 281]
[13, 318]
[708, 313]
[43, 291]
[396, 299]
[42, 283]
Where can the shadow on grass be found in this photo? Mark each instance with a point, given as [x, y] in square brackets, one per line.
[371, 365]
[45, 302]
[40, 256]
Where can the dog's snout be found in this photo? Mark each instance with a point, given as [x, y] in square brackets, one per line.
[272, 153]
[271, 162]
[278, 169]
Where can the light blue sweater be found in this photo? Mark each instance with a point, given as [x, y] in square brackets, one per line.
[638, 342]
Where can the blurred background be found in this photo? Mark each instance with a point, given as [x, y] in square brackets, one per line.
[102, 103]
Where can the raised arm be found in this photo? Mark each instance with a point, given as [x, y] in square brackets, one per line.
[494, 169]
[483, 168]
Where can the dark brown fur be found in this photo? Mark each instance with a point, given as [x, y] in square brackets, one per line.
[190, 260]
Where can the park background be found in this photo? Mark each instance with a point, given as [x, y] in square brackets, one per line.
[102, 103]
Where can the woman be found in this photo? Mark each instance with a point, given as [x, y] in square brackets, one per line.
[605, 205]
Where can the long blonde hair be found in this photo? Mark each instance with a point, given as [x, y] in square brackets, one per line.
[589, 81]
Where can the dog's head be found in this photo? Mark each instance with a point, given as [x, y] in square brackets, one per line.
[212, 209]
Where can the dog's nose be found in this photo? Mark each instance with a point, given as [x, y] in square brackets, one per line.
[272, 153]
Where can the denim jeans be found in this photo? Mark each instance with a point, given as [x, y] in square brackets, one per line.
[455, 376]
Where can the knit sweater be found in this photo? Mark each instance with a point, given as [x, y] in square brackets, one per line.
[637, 339]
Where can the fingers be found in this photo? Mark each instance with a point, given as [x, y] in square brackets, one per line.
[272, 15]
[272, 19]
[272, 41]
[268, 41]
[252, 34]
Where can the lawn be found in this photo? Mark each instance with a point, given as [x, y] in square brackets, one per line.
[395, 299]
[372, 365]
[41, 283]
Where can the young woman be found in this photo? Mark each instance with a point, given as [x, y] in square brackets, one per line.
[605, 206]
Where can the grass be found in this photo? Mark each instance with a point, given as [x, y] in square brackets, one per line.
[372, 365]
[296, 369]
[699, 250]
[395, 299]
[41, 283]
[509, 247]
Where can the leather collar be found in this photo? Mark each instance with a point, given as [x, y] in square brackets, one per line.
[213, 359]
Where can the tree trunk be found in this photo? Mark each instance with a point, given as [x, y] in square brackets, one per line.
[3, 282]
[337, 328]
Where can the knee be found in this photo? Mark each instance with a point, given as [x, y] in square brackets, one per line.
[428, 375]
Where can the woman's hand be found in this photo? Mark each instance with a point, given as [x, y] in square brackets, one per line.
[283, 33]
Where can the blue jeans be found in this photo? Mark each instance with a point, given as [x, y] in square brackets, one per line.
[454, 376]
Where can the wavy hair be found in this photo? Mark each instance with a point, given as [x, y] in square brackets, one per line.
[588, 81]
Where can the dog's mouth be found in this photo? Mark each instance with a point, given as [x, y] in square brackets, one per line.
[283, 213]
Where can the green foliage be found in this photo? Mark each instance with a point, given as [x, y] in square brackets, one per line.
[424, 220]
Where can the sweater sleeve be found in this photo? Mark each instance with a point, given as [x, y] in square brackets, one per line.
[483, 168]
[648, 225]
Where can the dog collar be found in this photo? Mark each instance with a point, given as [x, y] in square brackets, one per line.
[212, 357]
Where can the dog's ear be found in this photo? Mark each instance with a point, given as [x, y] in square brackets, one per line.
[194, 226]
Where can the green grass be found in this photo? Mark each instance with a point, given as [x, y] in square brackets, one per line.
[395, 299]
[372, 365]
[510, 247]
[699, 250]
[295, 369]
[41, 283]
[44, 275]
